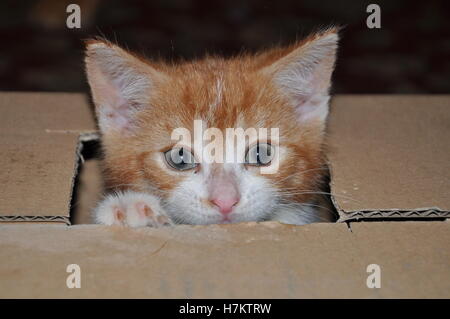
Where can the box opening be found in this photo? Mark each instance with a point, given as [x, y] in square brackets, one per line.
[88, 186]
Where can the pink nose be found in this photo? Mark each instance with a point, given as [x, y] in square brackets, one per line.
[225, 204]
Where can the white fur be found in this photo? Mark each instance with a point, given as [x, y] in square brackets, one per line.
[259, 201]
[301, 214]
[256, 203]
[127, 203]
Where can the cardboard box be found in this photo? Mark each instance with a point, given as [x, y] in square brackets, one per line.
[389, 158]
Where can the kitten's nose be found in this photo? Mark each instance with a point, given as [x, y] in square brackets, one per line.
[223, 191]
[225, 205]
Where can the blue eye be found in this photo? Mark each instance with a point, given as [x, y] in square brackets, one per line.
[260, 154]
[180, 159]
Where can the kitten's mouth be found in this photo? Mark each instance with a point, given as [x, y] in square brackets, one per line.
[225, 220]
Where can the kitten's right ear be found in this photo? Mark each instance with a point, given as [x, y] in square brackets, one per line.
[303, 74]
[120, 84]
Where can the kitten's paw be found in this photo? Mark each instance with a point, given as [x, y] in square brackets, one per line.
[131, 209]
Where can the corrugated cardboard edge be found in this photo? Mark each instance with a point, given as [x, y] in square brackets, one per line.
[53, 219]
[349, 216]
[383, 214]
[83, 137]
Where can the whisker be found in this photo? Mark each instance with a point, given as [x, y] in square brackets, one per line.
[287, 193]
[297, 207]
[149, 187]
[302, 173]
[319, 206]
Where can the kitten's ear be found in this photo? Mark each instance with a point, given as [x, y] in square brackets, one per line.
[120, 84]
[304, 74]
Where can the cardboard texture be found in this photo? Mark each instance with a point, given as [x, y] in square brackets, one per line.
[39, 138]
[389, 157]
[251, 260]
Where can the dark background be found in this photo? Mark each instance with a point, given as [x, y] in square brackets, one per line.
[409, 54]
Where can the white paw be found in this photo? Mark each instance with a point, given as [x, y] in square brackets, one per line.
[131, 209]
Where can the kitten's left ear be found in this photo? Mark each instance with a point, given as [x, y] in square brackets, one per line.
[304, 74]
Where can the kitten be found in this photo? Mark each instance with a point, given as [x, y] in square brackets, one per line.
[139, 104]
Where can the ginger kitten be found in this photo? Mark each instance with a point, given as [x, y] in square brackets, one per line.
[159, 181]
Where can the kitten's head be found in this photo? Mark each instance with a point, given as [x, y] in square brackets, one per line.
[140, 104]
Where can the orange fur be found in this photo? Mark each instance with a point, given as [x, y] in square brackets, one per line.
[184, 92]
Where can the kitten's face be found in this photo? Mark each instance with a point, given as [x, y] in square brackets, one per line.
[140, 105]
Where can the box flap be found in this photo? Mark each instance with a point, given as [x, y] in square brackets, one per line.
[36, 176]
[39, 137]
[389, 156]
[249, 260]
[29, 112]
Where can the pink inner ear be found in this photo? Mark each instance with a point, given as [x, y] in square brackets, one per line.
[312, 108]
[115, 113]
[311, 102]
[120, 85]
[119, 117]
